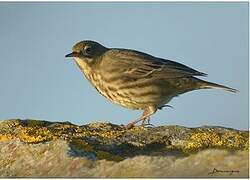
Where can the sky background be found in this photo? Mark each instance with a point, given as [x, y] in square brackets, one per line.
[38, 82]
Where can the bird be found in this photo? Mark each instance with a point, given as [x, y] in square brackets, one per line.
[136, 80]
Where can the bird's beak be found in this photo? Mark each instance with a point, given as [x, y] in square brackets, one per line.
[73, 54]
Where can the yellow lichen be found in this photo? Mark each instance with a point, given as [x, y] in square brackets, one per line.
[5, 137]
[202, 140]
[230, 140]
[35, 135]
[10, 123]
[138, 128]
[32, 131]
[235, 140]
[111, 134]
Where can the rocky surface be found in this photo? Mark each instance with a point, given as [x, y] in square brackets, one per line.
[32, 148]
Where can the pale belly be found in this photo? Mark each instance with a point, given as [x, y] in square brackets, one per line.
[125, 99]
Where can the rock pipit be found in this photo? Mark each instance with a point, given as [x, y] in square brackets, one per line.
[134, 79]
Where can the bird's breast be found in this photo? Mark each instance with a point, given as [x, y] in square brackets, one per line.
[97, 80]
[127, 92]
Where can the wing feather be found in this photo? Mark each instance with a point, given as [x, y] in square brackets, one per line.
[142, 65]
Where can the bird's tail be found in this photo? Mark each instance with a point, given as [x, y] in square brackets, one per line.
[210, 85]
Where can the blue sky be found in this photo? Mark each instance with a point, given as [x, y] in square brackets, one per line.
[38, 82]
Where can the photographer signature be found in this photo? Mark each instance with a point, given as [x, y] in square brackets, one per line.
[223, 171]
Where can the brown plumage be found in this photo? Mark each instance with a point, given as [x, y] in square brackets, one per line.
[134, 79]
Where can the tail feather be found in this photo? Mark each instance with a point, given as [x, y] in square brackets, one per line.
[210, 85]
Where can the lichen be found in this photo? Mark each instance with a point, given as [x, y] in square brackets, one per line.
[35, 135]
[202, 140]
[235, 140]
[232, 140]
[5, 137]
[109, 141]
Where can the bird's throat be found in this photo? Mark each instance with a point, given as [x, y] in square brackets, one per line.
[84, 67]
[87, 70]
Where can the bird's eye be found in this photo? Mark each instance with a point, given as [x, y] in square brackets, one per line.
[88, 50]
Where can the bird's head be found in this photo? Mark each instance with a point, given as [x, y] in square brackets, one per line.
[88, 51]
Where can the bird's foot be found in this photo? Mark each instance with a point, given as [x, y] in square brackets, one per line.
[132, 124]
[145, 117]
[148, 125]
[129, 125]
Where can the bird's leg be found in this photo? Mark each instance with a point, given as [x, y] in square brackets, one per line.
[146, 114]
[148, 118]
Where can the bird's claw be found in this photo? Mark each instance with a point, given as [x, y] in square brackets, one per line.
[131, 125]
[128, 126]
[165, 106]
[148, 125]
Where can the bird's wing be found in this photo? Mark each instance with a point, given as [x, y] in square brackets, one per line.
[139, 65]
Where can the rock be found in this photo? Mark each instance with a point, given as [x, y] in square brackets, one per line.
[32, 148]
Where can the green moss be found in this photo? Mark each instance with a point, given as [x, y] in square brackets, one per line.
[108, 156]
[81, 145]
[35, 123]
